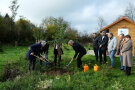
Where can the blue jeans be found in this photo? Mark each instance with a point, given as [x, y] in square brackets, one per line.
[40, 61]
[111, 55]
[121, 60]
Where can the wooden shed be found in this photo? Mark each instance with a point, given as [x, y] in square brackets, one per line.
[122, 25]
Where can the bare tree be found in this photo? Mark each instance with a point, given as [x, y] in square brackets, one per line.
[14, 7]
[130, 11]
[101, 22]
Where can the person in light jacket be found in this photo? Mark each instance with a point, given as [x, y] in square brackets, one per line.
[127, 54]
[112, 47]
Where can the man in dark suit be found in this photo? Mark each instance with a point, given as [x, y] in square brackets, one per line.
[95, 45]
[35, 50]
[78, 50]
[102, 42]
[57, 52]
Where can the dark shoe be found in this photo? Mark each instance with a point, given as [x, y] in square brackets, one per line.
[80, 68]
[126, 74]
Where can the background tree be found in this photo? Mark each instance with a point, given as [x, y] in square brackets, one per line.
[130, 11]
[101, 22]
[60, 30]
[38, 33]
[71, 34]
[14, 7]
[25, 32]
[85, 38]
[5, 30]
[55, 29]
[48, 26]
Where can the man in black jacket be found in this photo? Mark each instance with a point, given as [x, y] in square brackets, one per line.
[95, 45]
[78, 50]
[102, 42]
[57, 52]
[35, 50]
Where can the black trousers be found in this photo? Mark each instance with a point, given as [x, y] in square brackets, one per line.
[102, 52]
[79, 61]
[32, 62]
[55, 59]
[128, 71]
[96, 53]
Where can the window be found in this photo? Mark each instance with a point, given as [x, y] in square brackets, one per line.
[125, 31]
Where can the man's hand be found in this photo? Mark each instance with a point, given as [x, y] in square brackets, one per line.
[72, 59]
[32, 54]
[44, 57]
[100, 46]
[121, 54]
[41, 58]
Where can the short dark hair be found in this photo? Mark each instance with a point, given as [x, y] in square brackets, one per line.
[128, 36]
[94, 33]
[103, 31]
[111, 34]
[122, 34]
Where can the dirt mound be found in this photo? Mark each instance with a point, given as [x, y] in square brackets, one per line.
[59, 71]
[10, 72]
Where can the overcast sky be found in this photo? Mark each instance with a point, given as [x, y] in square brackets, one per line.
[82, 14]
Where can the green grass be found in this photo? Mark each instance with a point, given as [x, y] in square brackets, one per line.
[105, 78]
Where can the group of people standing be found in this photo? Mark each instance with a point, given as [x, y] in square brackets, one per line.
[109, 43]
[102, 44]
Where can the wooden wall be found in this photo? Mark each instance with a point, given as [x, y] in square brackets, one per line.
[124, 24]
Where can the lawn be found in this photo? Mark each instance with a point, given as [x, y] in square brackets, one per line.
[58, 78]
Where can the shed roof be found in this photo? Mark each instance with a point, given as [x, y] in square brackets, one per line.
[123, 18]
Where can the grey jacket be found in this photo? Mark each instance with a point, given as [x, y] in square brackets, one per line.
[112, 45]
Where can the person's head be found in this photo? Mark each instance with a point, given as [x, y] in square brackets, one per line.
[103, 33]
[127, 37]
[43, 43]
[121, 36]
[71, 42]
[94, 35]
[110, 35]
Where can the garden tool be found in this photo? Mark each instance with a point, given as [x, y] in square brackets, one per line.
[68, 64]
[42, 60]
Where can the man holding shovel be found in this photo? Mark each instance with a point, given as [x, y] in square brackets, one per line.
[45, 50]
[79, 50]
[35, 50]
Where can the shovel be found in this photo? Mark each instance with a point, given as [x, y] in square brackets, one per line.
[42, 60]
[68, 64]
